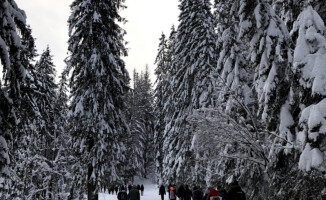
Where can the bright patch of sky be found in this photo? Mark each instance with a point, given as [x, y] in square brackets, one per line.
[147, 19]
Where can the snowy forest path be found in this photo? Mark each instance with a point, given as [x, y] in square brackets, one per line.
[150, 191]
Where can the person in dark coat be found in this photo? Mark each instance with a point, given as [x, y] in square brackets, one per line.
[142, 189]
[134, 194]
[235, 192]
[138, 187]
[181, 192]
[112, 189]
[116, 189]
[129, 187]
[187, 193]
[162, 192]
[122, 195]
[197, 193]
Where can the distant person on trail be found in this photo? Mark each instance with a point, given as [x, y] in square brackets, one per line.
[138, 187]
[134, 194]
[181, 192]
[172, 193]
[116, 189]
[122, 195]
[162, 192]
[187, 193]
[112, 189]
[235, 192]
[197, 193]
[170, 185]
[129, 187]
[142, 189]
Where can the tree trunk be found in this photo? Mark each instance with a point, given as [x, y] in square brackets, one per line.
[91, 185]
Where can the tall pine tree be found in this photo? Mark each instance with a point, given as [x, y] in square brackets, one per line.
[16, 52]
[192, 83]
[98, 83]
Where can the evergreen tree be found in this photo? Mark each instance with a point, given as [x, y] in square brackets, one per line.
[134, 162]
[46, 137]
[160, 99]
[147, 123]
[16, 52]
[192, 83]
[34, 138]
[289, 10]
[167, 87]
[309, 69]
[142, 127]
[98, 83]
[270, 54]
[61, 179]
[162, 93]
[224, 14]
[235, 75]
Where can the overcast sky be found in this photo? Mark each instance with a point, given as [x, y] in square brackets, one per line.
[146, 21]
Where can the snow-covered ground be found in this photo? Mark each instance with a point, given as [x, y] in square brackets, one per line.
[150, 191]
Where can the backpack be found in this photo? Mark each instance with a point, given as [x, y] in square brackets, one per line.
[213, 192]
[197, 195]
[172, 194]
[123, 196]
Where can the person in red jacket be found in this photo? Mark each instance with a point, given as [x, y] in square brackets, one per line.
[212, 193]
[172, 193]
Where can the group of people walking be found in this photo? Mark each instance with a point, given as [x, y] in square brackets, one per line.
[184, 193]
[132, 194]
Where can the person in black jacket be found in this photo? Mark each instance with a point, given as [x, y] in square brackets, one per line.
[122, 195]
[116, 189]
[181, 192]
[197, 193]
[235, 192]
[187, 193]
[142, 189]
[162, 192]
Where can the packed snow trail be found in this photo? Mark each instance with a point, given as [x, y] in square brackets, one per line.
[150, 191]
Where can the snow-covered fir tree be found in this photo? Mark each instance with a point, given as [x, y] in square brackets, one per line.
[309, 69]
[289, 10]
[237, 102]
[98, 84]
[61, 180]
[133, 162]
[44, 158]
[224, 14]
[33, 142]
[270, 54]
[162, 110]
[159, 101]
[142, 126]
[145, 125]
[192, 84]
[167, 87]
[17, 51]
[235, 75]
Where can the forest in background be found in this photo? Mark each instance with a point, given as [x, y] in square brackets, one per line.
[239, 94]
